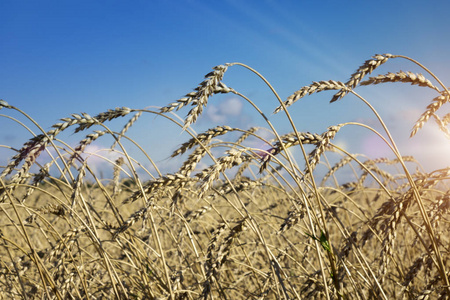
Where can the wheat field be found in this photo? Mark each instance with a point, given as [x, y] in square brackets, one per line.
[234, 221]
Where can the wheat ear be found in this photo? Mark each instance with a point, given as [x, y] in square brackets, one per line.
[199, 98]
[126, 127]
[367, 68]
[233, 158]
[314, 156]
[203, 138]
[315, 87]
[176, 180]
[287, 141]
[406, 77]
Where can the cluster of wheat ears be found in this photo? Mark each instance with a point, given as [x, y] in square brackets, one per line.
[252, 224]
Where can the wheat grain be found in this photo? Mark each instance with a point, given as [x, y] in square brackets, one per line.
[413, 271]
[199, 98]
[431, 110]
[176, 180]
[87, 121]
[34, 147]
[246, 134]
[203, 138]
[315, 87]
[194, 215]
[406, 77]
[439, 208]
[344, 161]
[126, 128]
[63, 248]
[326, 137]
[442, 125]
[84, 143]
[293, 218]
[77, 185]
[238, 186]
[116, 175]
[191, 98]
[242, 168]
[233, 158]
[136, 216]
[368, 67]
[214, 263]
[37, 179]
[4, 104]
[446, 119]
[350, 242]
[194, 158]
[287, 141]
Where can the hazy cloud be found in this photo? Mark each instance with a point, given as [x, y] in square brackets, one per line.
[430, 147]
[221, 113]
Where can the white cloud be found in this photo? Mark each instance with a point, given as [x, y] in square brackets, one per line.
[231, 107]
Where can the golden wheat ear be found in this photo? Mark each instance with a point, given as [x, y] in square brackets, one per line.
[368, 67]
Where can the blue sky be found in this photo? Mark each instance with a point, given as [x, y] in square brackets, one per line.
[63, 57]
